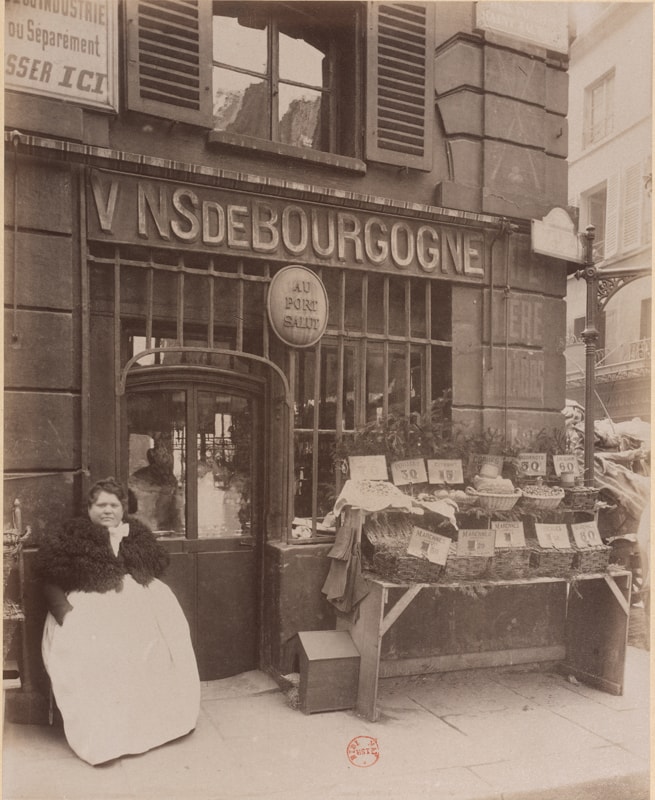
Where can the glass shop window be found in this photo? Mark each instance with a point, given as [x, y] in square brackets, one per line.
[189, 454]
[280, 69]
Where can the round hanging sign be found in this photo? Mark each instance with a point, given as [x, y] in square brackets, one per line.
[297, 306]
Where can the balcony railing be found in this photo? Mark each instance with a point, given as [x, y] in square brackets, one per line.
[625, 360]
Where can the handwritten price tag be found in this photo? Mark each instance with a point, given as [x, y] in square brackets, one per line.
[509, 534]
[410, 471]
[565, 465]
[532, 463]
[586, 534]
[475, 542]
[430, 545]
[476, 460]
[445, 471]
[553, 536]
[368, 468]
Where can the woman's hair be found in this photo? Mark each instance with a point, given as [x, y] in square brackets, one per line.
[110, 485]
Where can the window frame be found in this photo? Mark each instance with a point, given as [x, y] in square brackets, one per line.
[191, 380]
[606, 121]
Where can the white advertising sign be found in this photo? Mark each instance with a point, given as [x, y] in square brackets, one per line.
[441, 470]
[476, 542]
[543, 24]
[63, 49]
[509, 534]
[430, 545]
[586, 534]
[555, 536]
[368, 468]
[410, 471]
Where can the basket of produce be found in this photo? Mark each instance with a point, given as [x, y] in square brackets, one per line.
[581, 498]
[510, 562]
[465, 567]
[385, 541]
[495, 501]
[546, 562]
[592, 559]
[541, 497]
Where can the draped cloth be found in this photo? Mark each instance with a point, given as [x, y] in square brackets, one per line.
[122, 669]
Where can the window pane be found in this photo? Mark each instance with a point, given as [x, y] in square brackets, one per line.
[223, 452]
[300, 116]
[375, 303]
[241, 104]
[353, 302]
[418, 308]
[304, 400]
[440, 314]
[374, 382]
[397, 323]
[301, 61]
[397, 380]
[304, 475]
[156, 423]
[238, 45]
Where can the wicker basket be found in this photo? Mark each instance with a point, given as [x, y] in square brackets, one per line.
[465, 567]
[581, 498]
[492, 501]
[547, 563]
[387, 556]
[592, 559]
[403, 568]
[510, 562]
[541, 502]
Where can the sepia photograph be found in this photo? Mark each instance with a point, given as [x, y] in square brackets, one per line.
[327, 400]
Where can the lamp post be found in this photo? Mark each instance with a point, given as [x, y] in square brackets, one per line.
[590, 339]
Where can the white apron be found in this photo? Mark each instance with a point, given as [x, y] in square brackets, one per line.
[123, 670]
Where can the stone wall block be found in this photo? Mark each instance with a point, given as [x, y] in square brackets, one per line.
[513, 121]
[462, 113]
[557, 135]
[557, 91]
[45, 192]
[514, 75]
[459, 63]
[45, 355]
[44, 270]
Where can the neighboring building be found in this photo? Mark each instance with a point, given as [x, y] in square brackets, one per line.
[610, 142]
[159, 181]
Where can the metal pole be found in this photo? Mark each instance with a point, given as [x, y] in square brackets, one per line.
[590, 338]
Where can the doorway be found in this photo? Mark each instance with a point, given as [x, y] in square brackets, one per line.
[194, 467]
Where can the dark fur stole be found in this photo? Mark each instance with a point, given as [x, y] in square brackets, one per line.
[79, 557]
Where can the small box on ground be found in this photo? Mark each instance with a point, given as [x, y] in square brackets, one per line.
[329, 671]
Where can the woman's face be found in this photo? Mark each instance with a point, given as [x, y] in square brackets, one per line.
[106, 510]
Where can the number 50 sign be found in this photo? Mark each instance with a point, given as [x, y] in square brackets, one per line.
[532, 463]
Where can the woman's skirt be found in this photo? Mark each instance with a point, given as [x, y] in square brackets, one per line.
[123, 671]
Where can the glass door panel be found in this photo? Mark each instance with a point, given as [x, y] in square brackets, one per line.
[224, 465]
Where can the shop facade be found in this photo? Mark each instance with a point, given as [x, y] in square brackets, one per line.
[142, 239]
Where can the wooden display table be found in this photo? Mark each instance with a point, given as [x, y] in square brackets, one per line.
[581, 622]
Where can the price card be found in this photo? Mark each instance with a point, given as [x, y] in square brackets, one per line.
[441, 470]
[430, 545]
[532, 463]
[478, 459]
[475, 542]
[509, 534]
[410, 471]
[565, 465]
[553, 536]
[368, 468]
[586, 534]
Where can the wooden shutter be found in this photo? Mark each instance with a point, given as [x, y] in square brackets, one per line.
[632, 206]
[169, 59]
[612, 217]
[400, 84]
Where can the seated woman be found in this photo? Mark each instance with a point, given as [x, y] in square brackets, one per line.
[116, 643]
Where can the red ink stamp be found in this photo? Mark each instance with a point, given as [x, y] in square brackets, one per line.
[363, 751]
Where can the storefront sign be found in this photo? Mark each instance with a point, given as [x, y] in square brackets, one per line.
[441, 470]
[368, 468]
[565, 465]
[409, 471]
[555, 235]
[133, 210]
[430, 545]
[586, 534]
[297, 305]
[552, 536]
[64, 49]
[532, 463]
[543, 24]
[509, 534]
[476, 542]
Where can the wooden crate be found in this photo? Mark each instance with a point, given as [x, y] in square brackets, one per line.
[329, 671]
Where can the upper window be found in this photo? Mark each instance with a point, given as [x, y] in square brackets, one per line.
[275, 73]
[599, 109]
[295, 75]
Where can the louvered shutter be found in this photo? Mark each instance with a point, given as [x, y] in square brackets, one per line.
[400, 84]
[612, 217]
[632, 206]
[169, 59]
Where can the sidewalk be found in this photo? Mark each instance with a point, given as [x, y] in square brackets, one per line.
[494, 734]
